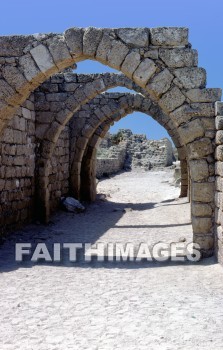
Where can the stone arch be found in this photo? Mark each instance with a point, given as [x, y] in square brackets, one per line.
[88, 163]
[117, 106]
[160, 60]
[70, 91]
[199, 170]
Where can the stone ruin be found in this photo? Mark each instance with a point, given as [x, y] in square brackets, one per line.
[51, 121]
[128, 151]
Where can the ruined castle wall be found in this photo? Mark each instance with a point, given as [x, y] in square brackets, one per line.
[135, 151]
[108, 166]
[17, 171]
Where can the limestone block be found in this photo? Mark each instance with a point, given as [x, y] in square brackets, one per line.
[130, 63]
[219, 122]
[186, 112]
[15, 78]
[137, 37]
[218, 199]
[219, 153]
[6, 91]
[151, 53]
[14, 45]
[219, 183]
[169, 36]
[105, 45]
[172, 99]
[59, 51]
[177, 58]
[206, 243]
[199, 209]
[219, 168]
[192, 77]
[204, 95]
[203, 192]
[209, 123]
[117, 54]
[43, 59]
[160, 83]
[199, 169]
[74, 40]
[219, 137]
[144, 72]
[190, 131]
[200, 148]
[219, 108]
[201, 225]
[91, 40]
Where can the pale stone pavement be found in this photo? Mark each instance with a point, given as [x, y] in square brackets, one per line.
[102, 305]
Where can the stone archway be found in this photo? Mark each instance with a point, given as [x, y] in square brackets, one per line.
[159, 60]
[116, 106]
[87, 190]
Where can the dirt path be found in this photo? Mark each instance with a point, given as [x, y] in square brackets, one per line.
[122, 305]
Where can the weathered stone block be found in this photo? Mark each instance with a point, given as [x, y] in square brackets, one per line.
[186, 112]
[203, 192]
[219, 137]
[74, 40]
[177, 58]
[6, 91]
[105, 45]
[192, 77]
[199, 169]
[219, 168]
[160, 83]
[117, 54]
[219, 122]
[219, 153]
[43, 59]
[201, 225]
[172, 99]
[219, 108]
[219, 183]
[199, 209]
[190, 131]
[144, 72]
[206, 242]
[200, 148]
[15, 78]
[169, 36]
[137, 37]
[151, 53]
[130, 63]
[204, 95]
[14, 45]
[59, 51]
[91, 40]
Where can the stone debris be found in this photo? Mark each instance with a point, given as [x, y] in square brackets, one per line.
[72, 205]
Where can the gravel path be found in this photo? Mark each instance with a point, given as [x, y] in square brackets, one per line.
[122, 305]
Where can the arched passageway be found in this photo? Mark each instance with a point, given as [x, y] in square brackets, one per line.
[159, 60]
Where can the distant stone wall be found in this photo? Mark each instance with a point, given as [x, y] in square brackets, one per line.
[132, 151]
[108, 166]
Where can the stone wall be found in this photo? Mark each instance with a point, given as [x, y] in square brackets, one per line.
[219, 182]
[59, 170]
[132, 151]
[17, 171]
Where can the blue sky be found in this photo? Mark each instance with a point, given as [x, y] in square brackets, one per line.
[202, 17]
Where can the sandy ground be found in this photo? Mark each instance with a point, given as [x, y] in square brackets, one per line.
[113, 305]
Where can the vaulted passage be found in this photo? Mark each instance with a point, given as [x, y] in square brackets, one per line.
[43, 112]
